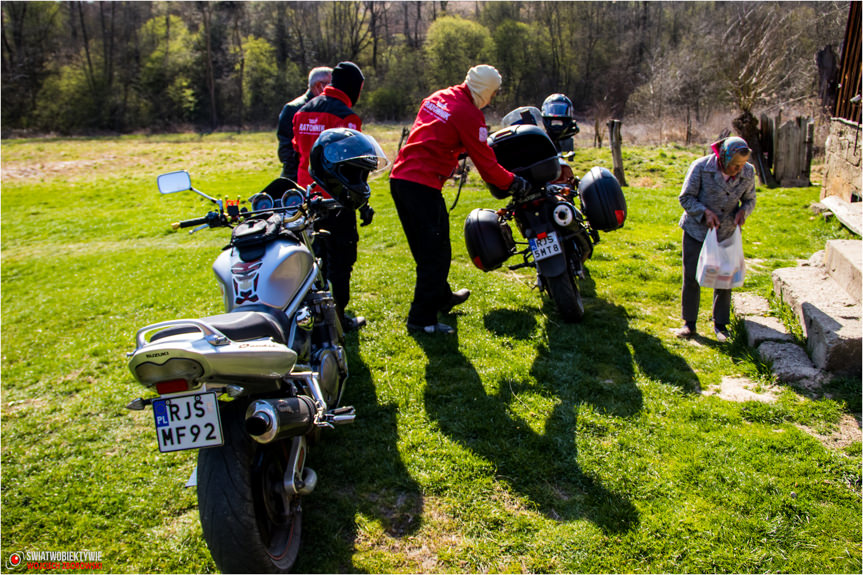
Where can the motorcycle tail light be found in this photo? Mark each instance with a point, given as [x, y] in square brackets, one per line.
[172, 386]
[174, 369]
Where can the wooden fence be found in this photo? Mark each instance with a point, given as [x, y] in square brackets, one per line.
[787, 149]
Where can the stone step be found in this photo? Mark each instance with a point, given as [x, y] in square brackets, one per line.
[830, 318]
[843, 260]
[850, 214]
[789, 361]
[753, 310]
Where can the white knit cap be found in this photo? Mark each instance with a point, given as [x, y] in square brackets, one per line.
[483, 81]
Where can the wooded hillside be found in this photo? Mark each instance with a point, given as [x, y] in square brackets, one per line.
[73, 66]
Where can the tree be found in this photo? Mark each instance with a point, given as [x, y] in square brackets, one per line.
[166, 61]
[30, 32]
[261, 97]
[453, 45]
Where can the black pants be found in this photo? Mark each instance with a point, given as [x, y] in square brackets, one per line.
[691, 292]
[425, 221]
[338, 253]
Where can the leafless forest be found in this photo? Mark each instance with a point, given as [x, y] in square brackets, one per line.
[677, 67]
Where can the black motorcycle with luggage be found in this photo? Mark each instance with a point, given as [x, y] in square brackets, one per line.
[560, 236]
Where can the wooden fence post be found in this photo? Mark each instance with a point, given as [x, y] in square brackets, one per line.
[617, 158]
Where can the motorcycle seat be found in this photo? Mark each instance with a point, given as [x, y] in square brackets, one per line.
[238, 326]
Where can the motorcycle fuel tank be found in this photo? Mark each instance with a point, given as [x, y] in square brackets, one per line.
[273, 280]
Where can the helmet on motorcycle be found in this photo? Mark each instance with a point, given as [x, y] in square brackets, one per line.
[557, 117]
[340, 163]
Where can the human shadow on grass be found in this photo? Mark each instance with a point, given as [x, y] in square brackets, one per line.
[360, 472]
[541, 466]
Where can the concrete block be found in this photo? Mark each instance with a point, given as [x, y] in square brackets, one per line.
[850, 214]
[811, 284]
[830, 318]
[834, 340]
[844, 261]
[760, 329]
[746, 304]
[790, 362]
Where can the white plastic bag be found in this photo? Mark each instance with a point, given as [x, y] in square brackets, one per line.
[721, 265]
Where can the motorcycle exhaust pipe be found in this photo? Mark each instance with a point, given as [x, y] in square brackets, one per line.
[566, 216]
[272, 419]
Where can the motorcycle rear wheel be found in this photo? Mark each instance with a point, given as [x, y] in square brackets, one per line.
[246, 524]
[564, 292]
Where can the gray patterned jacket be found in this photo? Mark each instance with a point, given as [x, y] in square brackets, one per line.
[705, 188]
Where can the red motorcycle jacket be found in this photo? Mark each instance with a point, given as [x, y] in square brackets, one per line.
[332, 109]
[447, 125]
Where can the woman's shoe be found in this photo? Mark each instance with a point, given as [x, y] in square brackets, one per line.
[686, 332]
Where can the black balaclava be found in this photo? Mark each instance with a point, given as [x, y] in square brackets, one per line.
[348, 78]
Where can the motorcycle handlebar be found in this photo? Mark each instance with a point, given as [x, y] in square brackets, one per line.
[188, 223]
[212, 219]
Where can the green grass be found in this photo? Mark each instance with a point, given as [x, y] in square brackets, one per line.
[522, 445]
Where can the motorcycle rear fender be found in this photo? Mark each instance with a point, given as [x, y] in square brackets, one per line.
[553, 266]
[207, 356]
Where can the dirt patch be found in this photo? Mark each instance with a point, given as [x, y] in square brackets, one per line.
[847, 433]
[25, 171]
[419, 551]
[742, 389]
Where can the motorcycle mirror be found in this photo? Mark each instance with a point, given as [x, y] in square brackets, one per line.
[174, 182]
[180, 181]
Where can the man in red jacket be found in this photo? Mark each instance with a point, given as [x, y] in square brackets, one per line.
[338, 250]
[450, 122]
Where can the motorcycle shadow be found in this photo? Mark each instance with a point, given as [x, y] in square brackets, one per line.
[541, 466]
[384, 491]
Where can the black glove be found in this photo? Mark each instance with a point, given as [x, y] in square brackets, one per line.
[519, 187]
[366, 214]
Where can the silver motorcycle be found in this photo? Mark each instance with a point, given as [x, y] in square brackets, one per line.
[252, 388]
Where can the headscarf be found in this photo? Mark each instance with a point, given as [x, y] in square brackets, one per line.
[726, 148]
[348, 78]
[483, 81]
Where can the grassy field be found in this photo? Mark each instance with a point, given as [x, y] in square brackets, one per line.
[523, 444]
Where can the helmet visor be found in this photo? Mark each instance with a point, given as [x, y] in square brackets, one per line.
[556, 109]
[523, 115]
[360, 150]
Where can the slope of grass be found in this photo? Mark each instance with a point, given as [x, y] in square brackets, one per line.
[523, 444]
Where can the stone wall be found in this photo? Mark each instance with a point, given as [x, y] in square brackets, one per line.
[843, 170]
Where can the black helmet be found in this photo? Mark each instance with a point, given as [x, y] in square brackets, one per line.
[340, 163]
[557, 117]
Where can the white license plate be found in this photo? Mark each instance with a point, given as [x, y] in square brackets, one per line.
[545, 247]
[187, 422]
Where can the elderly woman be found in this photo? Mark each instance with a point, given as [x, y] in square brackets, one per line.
[719, 192]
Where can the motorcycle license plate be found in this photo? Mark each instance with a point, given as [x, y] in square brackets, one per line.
[546, 247]
[187, 422]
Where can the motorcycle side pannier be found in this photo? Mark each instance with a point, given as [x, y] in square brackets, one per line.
[602, 200]
[526, 151]
[489, 240]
